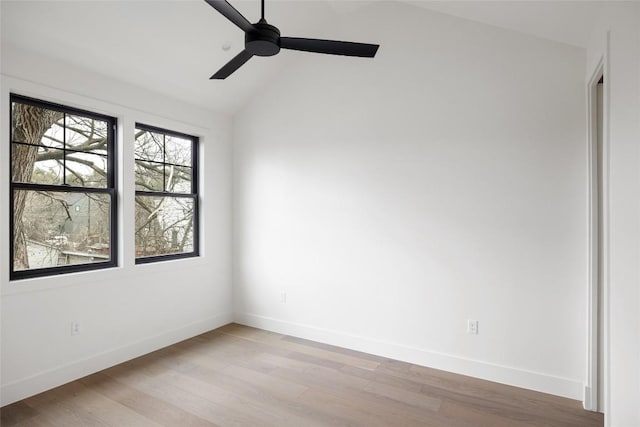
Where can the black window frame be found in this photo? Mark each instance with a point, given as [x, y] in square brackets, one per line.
[194, 194]
[110, 189]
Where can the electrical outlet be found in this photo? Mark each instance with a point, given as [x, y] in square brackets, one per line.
[283, 297]
[472, 327]
[75, 328]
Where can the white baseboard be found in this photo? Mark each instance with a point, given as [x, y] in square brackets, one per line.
[55, 377]
[488, 371]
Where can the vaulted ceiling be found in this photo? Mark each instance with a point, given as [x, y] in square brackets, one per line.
[172, 47]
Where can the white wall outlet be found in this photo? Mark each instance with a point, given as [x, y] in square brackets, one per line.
[472, 327]
[283, 297]
[75, 328]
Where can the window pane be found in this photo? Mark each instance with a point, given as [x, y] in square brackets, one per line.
[178, 150]
[53, 136]
[36, 164]
[86, 134]
[48, 167]
[177, 179]
[60, 228]
[149, 176]
[149, 146]
[86, 170]
[164, 225]
[35, 125]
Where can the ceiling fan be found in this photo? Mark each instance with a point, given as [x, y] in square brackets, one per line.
[263, 39]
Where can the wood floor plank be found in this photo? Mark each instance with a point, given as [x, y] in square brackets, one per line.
[223, 365]
[492, 387]
[276, 395]
[335, 349]
[16, 413]
[367, 396]
[478, 417]
[276, 340]
[206, 401]
[350, 383]
[520, 404]
[377, 398]
[82, 406]
[36, 421]
[239, 376]
[353, 410]
[160, 411]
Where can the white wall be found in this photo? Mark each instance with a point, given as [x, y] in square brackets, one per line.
[616, 41]
[130, 310]
[390, 199]
[393, 199]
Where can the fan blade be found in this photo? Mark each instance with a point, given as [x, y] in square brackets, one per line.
[231, 14]
[331, 47]
[232, 65]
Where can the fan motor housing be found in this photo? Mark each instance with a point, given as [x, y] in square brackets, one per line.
[264, 41]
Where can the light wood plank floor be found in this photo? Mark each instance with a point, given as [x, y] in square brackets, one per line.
[241, 376]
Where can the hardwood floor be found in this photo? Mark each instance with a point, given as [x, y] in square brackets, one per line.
[241, 376]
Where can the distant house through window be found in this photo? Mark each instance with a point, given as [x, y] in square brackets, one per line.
[63, 193]
[166, 213]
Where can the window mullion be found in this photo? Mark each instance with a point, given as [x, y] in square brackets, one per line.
[64, 149]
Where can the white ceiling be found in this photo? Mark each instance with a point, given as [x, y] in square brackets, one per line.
[568, 21]
[172, 47]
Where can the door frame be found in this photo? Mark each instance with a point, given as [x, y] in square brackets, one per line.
[595, 393]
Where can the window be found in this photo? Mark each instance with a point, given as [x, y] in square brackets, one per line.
[166, 194]
[63, 196]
